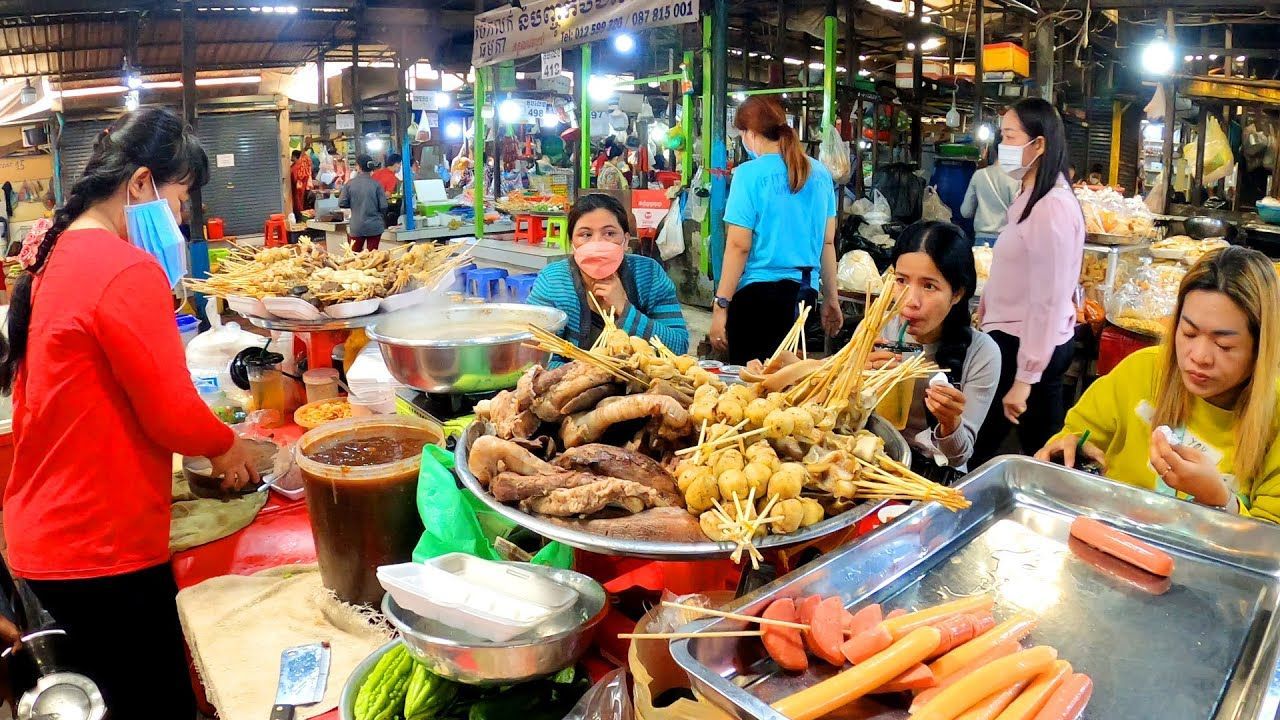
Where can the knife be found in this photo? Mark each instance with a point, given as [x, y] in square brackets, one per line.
[304, 672]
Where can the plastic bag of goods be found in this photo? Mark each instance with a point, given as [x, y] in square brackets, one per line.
[1218, 160]
[902, 188]
[1145, 302]
[933, 207]
[982, 264]
[856, 272]
[834, 154]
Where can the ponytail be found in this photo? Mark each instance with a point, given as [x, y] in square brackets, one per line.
[154, 138]
[792, 154]
[765, 117]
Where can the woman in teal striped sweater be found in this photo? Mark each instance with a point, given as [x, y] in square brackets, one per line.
[634, 287]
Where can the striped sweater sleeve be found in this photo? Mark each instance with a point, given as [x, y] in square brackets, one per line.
[658, 314]
[554, 288]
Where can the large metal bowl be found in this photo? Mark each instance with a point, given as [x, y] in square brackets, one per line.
[467, 365]
[895, 446]
[477, 662]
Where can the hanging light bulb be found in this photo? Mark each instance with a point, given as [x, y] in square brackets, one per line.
[28, 95]
[1157, 57]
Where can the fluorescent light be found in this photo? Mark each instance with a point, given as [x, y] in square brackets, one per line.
[1188, 58]
[862, 58]
[550, 120]
[931, 44]
[375, 144]
[926, 19]
[1199, 57]
[1241, 58]
[90, 91]
[233, 80]
[653, 84]
[443, 100]
[864, 72]
[816, 66]
[453, 130]
[133, 81]
[792, 61]
[1213, 57]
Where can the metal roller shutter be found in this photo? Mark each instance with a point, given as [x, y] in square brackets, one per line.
[74, 148]
[245, 194]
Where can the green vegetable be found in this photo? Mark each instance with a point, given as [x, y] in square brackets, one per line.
[428, 694]
[383, 694]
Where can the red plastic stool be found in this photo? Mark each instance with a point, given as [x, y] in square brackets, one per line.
[275, 233]
[530, 228]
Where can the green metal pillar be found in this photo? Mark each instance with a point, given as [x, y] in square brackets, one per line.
[477, 147]
[686, 124]
[829, 26]
[704, 159]
[718, 163]
[584, 120]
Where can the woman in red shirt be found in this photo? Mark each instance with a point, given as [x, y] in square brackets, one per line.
[102, 402]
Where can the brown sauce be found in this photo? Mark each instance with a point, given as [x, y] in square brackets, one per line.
[359, 452]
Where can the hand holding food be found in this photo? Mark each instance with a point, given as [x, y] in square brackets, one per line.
[235, 466]
[1188, 470]
[882, 359]
[947, 405]
[1065, 448]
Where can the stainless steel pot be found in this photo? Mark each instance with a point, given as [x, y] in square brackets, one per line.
[422, 357]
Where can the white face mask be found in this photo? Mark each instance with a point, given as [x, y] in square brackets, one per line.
[1009, 157]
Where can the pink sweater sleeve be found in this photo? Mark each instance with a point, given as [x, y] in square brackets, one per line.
[1056, 225]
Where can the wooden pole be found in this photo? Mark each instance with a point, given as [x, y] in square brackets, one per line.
[1166, 153]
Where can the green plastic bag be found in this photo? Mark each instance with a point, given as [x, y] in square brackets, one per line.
[456, 521]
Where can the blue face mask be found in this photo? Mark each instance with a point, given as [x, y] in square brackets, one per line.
[751, 154]
[152, 227]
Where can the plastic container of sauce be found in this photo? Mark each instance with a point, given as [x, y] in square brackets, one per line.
[321, 384]
[361, 479]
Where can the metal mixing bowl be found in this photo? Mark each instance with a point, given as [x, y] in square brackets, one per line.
[418, 358]
[479, 662]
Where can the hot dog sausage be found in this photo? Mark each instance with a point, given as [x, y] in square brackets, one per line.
[1122, 545]
[784, 644]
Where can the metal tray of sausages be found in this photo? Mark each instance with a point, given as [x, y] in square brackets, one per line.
[1202, 644]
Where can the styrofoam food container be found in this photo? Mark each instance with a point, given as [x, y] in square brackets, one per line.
[247, 306]
[407, 299]
[292, 308]
[489, 600]
[358, 308]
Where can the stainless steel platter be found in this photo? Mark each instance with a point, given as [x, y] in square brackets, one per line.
[895, 446]
[1204, 648]
[419, 358]
[1116, 240]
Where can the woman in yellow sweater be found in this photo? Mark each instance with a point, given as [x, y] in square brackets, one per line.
[1196, 416]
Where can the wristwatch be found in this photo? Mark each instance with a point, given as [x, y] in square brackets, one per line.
[722, 302]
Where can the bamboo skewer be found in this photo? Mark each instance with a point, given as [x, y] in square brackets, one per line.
[722, 440]
[684, 635]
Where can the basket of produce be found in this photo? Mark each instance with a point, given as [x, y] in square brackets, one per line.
[304, 282]
[630, 449]
[524, 202]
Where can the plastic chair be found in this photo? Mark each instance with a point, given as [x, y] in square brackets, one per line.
[275, 233]
[557, 234]
[530, 229]
[485, 282]
[518, 286]
[460, 282]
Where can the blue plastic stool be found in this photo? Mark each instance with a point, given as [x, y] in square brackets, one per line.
[518, 286]
[485, 282]
[462, 277]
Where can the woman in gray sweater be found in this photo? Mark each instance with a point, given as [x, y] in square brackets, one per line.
[933, 261]
[368, 202]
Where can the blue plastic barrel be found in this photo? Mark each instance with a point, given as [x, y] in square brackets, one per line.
[951, 176]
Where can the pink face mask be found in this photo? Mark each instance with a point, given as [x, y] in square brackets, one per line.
[599, 258]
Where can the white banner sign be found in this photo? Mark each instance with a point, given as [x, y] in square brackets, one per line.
[552, 64]
[346, 121]
[423, 99]
[509, 32]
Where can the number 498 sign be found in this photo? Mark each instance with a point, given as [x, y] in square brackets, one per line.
[552, 64]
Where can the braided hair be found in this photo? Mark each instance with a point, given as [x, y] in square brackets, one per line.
[154, 138]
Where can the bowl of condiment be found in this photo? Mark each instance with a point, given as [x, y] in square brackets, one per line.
[361, 479]
[550, 647]
[464, 348]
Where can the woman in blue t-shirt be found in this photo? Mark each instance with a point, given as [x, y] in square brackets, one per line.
[780, 239]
